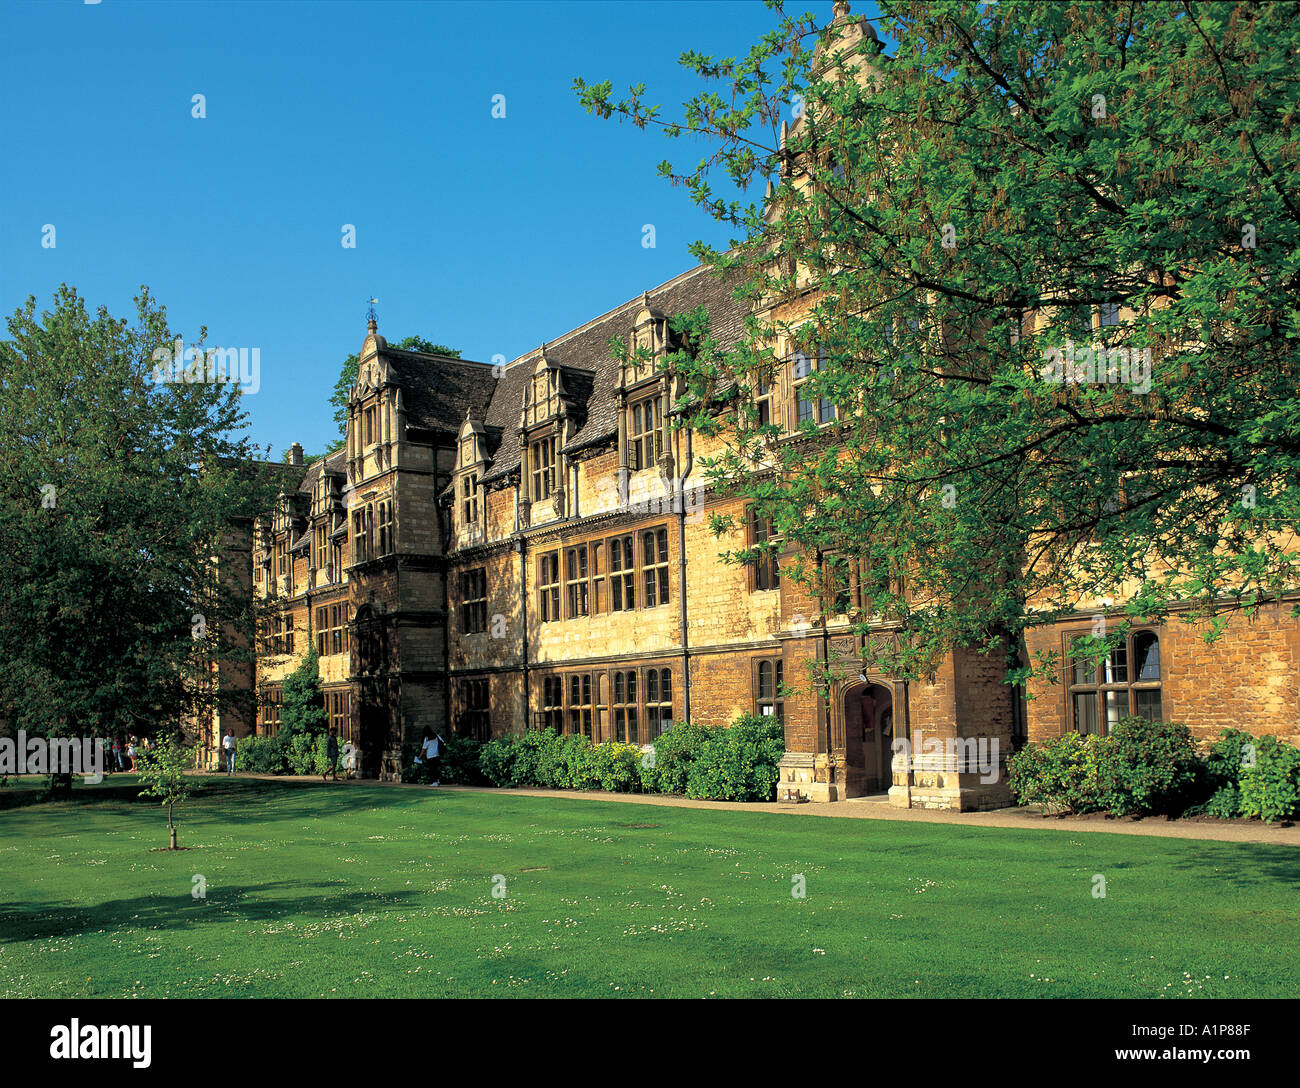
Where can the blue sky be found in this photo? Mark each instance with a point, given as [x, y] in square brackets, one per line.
[490, 235]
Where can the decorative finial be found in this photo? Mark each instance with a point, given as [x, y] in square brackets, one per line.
[841, 9]
[372, 322]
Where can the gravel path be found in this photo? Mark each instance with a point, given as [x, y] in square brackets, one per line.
[878, 808]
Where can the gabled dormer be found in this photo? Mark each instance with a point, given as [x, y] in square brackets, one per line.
[471, 465]
[648, 341]
[376, 412]
[645, 393]
[544, 428]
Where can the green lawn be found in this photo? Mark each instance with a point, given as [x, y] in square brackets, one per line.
[371, 891]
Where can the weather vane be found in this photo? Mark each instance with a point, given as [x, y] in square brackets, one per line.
[371, 315]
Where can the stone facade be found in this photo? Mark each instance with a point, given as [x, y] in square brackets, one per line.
[496, 549]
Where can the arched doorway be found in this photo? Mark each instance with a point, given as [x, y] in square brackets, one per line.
[868, 738]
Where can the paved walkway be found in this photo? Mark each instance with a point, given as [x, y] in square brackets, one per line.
[878, 808]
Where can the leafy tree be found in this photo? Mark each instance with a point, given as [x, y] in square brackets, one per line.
[303, 708]
[116, 493]
[162, 768]
[1127, 173]
[348, 378]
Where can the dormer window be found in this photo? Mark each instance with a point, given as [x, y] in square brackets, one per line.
[542, 454]
[469, 499]
[645, 433]
[647, 340]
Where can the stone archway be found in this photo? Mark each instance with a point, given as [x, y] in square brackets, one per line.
[868, 708]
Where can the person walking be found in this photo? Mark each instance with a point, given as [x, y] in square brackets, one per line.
[332, 754]
[130, 754]
[115, 761]
[228, 746]
[432, 752]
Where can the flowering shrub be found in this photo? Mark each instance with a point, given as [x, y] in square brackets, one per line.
[1060, 774]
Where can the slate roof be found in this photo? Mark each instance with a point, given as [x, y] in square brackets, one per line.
[590, 370]
[332, 462]
[437, 390]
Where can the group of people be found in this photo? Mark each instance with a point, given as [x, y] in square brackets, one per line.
[121, 756]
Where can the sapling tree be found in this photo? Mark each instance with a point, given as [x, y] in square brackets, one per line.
[162, 768]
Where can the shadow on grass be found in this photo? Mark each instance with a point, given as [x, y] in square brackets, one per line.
[1243, 865]
[44, 921]
[287, 798]
[27, 793]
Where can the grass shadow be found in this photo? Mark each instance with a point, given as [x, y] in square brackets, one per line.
[45, 921]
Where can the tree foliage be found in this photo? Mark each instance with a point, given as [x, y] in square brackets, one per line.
[116, 495]
[1006, 160]
[303, 708]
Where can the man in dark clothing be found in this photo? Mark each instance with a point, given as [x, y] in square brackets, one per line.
[332, 753]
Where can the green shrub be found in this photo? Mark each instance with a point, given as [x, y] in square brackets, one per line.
[615, 766]
[533, 750]
[1061, 774]
[1270, 789]
[496, 760]
[739, 763]
[1223, 761]
[1225, 804]
[583, 774]
[421, 774]
[1148, 767]
[261, 755]
[307, 753]
[460, 757]
[559, 763]
[675, 751]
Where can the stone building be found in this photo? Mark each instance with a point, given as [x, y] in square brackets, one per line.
[528, 546]
[501, 549]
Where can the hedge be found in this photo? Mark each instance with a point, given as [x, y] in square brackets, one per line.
[1154, 768]
[736, 763]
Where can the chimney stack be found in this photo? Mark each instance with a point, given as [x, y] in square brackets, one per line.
[295, 454]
